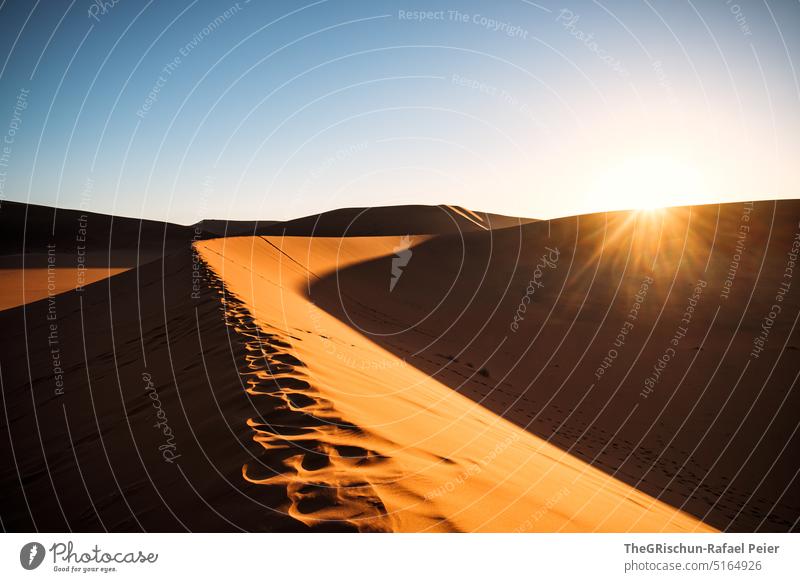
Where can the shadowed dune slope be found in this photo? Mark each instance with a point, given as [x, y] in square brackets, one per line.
[365, 438]
[658, 347]
[123, 409]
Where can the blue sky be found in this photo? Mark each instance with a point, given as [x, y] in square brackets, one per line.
[271, 110]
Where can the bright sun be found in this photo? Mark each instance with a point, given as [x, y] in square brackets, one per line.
[649, 183]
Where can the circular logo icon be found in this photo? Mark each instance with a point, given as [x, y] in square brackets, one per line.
[31, 555]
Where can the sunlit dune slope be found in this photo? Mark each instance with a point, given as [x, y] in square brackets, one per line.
[659, 347]
[364, 437]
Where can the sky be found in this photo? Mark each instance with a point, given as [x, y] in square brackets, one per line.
[270, 110]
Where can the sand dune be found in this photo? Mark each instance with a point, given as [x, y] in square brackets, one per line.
[370, 440]
[29, 228]
[222, 228]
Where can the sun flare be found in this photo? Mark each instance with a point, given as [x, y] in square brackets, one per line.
[650, 183]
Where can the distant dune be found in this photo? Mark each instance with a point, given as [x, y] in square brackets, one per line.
[407, 369]
[220, 228]
[30, 228]
[47, 250]
[392, 220]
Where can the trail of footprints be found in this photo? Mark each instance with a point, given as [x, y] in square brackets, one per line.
[322, 455]
[319, 460]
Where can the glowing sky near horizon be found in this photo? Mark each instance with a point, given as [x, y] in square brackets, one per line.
[272, 110]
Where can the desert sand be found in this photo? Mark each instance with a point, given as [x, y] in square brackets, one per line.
[351, 373]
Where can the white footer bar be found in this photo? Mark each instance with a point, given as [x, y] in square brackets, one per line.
[416, 557]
